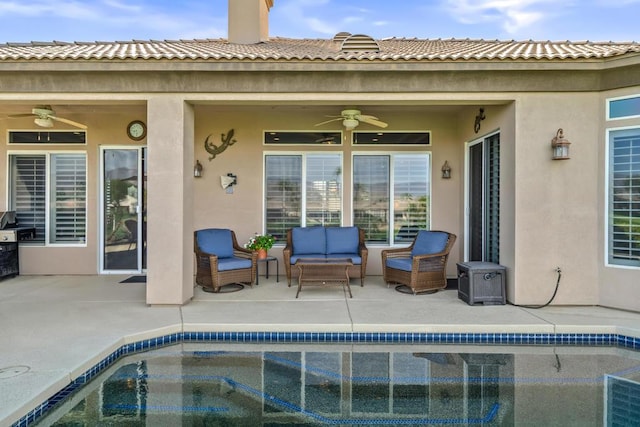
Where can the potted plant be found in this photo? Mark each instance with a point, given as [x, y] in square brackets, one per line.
[261, 243]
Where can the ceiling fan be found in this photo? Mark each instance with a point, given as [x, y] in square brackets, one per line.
[44, 117]
[352, 118]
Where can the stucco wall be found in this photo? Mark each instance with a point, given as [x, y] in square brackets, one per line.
[556, 200]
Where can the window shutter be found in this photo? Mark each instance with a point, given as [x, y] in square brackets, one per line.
[624, 203]
[323, 190]
[411, 194]
[283, 194]
[68, 198]
[371, 196]
[28, 192]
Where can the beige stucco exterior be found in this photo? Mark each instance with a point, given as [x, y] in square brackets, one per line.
[552, 213]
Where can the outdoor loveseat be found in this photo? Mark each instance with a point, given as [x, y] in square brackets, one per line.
[326, 242]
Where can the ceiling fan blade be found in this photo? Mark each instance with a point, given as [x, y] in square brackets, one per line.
[15, 116]
[67, 121]
[372, 121]
[328, 121]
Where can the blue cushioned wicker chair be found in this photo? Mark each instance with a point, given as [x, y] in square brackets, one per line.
[422, 266]
[221, 261]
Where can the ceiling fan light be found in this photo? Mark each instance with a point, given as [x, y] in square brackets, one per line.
[43, 122]
[350, 124]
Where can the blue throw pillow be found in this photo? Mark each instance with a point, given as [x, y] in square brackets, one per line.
[308, 240]
[216, 241]
[342, 240]
[429, 242]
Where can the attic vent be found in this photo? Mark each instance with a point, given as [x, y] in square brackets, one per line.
[359, 43]
[341, 36]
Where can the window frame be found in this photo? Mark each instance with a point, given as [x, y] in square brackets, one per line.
[620, 98]
[391, 212]
[608, 256]
[303, 193]
[49, 203]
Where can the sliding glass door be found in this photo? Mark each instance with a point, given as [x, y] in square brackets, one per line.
[123, 209]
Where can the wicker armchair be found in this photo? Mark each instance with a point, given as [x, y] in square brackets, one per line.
[221, 261]
[422, 266]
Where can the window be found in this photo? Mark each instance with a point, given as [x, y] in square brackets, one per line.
[391, 138]
[624, 197]
[302, 138]
[623, 108]
[391, 196]
[48, 137]
[302, 190]
[48, 192]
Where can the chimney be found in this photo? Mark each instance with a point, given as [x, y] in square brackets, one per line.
[249, 21]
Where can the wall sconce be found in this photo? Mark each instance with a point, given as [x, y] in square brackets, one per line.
[446, 170]
[197, 169]
[560, 146]
[228, 181]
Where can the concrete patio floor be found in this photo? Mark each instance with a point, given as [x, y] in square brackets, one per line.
[54, 328]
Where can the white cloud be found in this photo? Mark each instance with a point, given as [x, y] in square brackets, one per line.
[512, 15]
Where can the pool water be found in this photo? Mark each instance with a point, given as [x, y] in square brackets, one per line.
[276, 385]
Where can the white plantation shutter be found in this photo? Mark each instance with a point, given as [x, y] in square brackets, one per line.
[323, 190]
[411, 191]
[283, 194]
[65, 199]
[68, 198]
[288, 205]
[28, 191]
[624, 198]
[391, 192]
[371, 196]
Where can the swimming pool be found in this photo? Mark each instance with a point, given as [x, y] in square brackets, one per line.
[355, 384]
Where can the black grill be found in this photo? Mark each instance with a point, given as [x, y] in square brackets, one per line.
[10, 236]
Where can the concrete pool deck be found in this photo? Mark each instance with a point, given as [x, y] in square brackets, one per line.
[54, 328]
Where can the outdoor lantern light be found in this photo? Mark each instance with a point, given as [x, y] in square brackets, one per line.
[446, 170]
[197, 169]
[560, 146]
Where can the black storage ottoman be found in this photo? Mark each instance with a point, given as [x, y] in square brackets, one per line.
[482, 283]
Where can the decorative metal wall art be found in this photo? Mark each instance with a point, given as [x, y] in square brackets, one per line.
[214, 150]
[480, 117]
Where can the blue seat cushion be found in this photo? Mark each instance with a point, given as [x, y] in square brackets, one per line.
[355, 258]
[294, 258]
[216, 241]
[429, 242]
[233, 263]
[403, 264]
[308, 240]
[342, 240]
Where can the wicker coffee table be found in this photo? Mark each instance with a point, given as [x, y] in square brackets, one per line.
[324, 272]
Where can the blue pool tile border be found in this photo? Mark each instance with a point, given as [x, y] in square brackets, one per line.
[573, 339]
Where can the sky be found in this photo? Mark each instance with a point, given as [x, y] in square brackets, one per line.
[121, 20]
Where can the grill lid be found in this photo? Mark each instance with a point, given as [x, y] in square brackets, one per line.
[7, 219]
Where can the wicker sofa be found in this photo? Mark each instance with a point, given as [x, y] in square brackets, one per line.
[326, 242]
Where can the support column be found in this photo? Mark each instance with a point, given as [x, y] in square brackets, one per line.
[170, 146]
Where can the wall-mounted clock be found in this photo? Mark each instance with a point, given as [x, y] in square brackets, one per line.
[137, 130]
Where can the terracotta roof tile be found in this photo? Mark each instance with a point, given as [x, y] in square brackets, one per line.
[284, 49]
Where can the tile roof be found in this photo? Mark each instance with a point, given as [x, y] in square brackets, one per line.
[285, 49]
